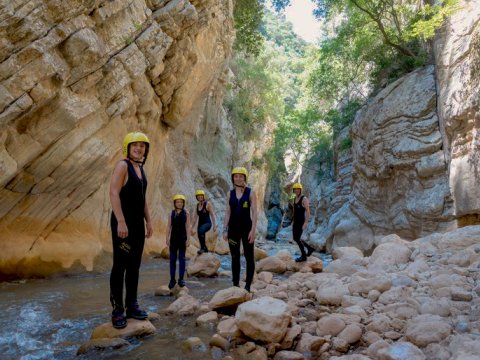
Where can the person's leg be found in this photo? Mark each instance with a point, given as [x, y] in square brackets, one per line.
[116, 279]
[202, 230]
[249, 253]
[297, 235]
[181, 266]
[234, 245]
[173, 266]
[132, 276]
[310, 249]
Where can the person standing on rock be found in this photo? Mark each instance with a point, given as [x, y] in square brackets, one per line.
[130, 223]
[241, 224]
[205, 216]
[178, 239]
[301, 216]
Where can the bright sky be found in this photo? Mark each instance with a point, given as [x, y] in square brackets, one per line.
[304, 23]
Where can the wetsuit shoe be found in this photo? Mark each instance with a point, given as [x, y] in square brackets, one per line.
[119, 321]
[200, 252]
[171, 284]
[247, 287]
[181, 283]
[135, 312]
[301, 258]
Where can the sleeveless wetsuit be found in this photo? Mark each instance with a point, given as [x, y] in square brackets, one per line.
[127, 253]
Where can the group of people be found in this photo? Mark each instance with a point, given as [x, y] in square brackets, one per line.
[131, 224]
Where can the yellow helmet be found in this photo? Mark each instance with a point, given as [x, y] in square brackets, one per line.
[297, 186]
[200, 192]
[135, 137]
[179, 197]
[240, 170]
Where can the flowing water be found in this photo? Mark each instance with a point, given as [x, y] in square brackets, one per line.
[51, 318]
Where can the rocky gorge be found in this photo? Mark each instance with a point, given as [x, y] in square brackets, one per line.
[400, 217]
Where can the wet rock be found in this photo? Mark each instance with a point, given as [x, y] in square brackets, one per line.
[102, 344]
[204, 265]
[153, 317]
[228, 329]
[263, 319]
[272, 264]
[185, 305]
[193, 344]
[229, 297]
[210, 317]
[163, 290]
[250, 351]
[135, 328]
[220, 342]
[426, 329]
[259, 254]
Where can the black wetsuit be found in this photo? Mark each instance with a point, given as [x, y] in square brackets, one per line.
[204, 224]
[298, 221]
[239, 226]
[127, 253]
[178, 243]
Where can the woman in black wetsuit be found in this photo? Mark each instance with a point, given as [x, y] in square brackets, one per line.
[130, 223]
[301, 208]
[241, 224]
[178, 239]
[205, 215]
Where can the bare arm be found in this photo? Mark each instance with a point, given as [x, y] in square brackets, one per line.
[253, 202]
[119, 176]
[194, 221]
[212, 214]
[169, 230]
[306, 205]
[187, 226]
[148, 221]
[227, 218]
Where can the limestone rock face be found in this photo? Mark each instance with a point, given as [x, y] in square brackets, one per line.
[81, 76]
[413, 165]
[457, 54]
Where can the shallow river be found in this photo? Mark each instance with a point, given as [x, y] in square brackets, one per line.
[51, 318]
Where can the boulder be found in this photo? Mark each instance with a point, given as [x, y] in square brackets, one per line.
[193, 344]
[351, 334]
[379, 283]
[401, 351]
[426, 329]
[346, 252]
[204, 265]
[330, 325]
[220, 342]
[272, 264]
[259, 254]
[228, 328]
[210, 317]
[135, 328]
[102, 344]
[163, 290]
[232, 296]
[288, 355]
[184, 305]
[264, 319]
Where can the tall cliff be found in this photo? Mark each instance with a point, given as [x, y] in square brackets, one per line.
[75, 77]
[413, 165]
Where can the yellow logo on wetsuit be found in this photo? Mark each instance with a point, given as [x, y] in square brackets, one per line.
[125, 247]
[245, 204]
